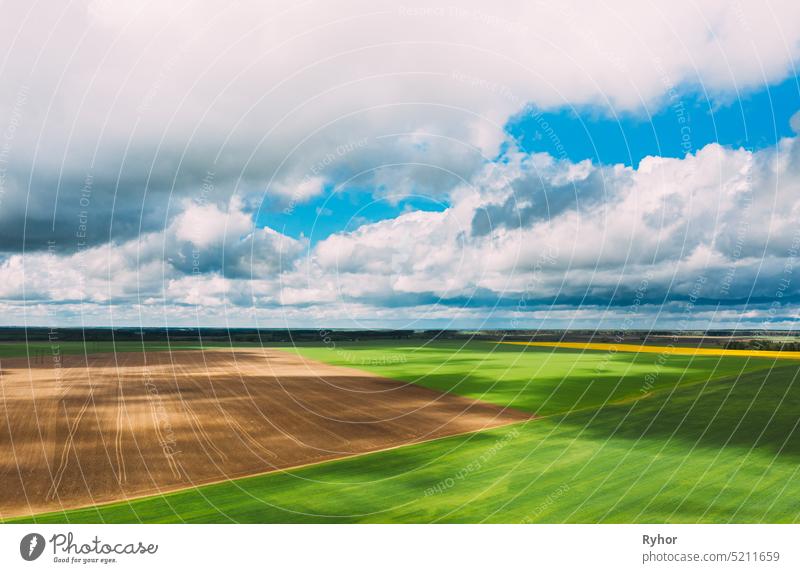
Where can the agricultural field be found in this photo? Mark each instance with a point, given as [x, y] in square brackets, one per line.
[458, 432]
[116, 426]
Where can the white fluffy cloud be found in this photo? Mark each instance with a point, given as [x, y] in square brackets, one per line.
[205, 255]
[204, 225]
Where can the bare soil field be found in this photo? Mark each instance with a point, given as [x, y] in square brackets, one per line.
[111, 427]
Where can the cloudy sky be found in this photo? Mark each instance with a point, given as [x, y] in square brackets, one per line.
[413, 164]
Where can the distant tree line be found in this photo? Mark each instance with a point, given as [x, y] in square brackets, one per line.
[39, 334]
[763, 344]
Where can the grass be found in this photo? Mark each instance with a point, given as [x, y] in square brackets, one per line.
[541, 380]
[712, 441]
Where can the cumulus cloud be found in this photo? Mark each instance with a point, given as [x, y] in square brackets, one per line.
[555, 231]
[204, 225]
[203, 256]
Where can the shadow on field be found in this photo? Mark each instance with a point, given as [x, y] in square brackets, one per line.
[552, 388]
[754, 410]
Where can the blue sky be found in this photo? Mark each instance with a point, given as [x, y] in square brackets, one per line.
[678, 124]
[339, 209]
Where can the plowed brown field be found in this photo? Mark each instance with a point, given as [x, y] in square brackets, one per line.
[117, 426]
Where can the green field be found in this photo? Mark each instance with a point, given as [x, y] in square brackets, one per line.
[713, 440]
[537, 380]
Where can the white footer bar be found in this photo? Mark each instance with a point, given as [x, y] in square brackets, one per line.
[401, 548]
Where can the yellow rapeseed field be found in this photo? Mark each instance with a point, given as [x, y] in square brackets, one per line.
[672, 350]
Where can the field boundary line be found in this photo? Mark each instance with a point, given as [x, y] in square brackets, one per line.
[673, 350]
[177, 491]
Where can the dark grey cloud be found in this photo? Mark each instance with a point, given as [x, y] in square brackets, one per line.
[534, 198]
